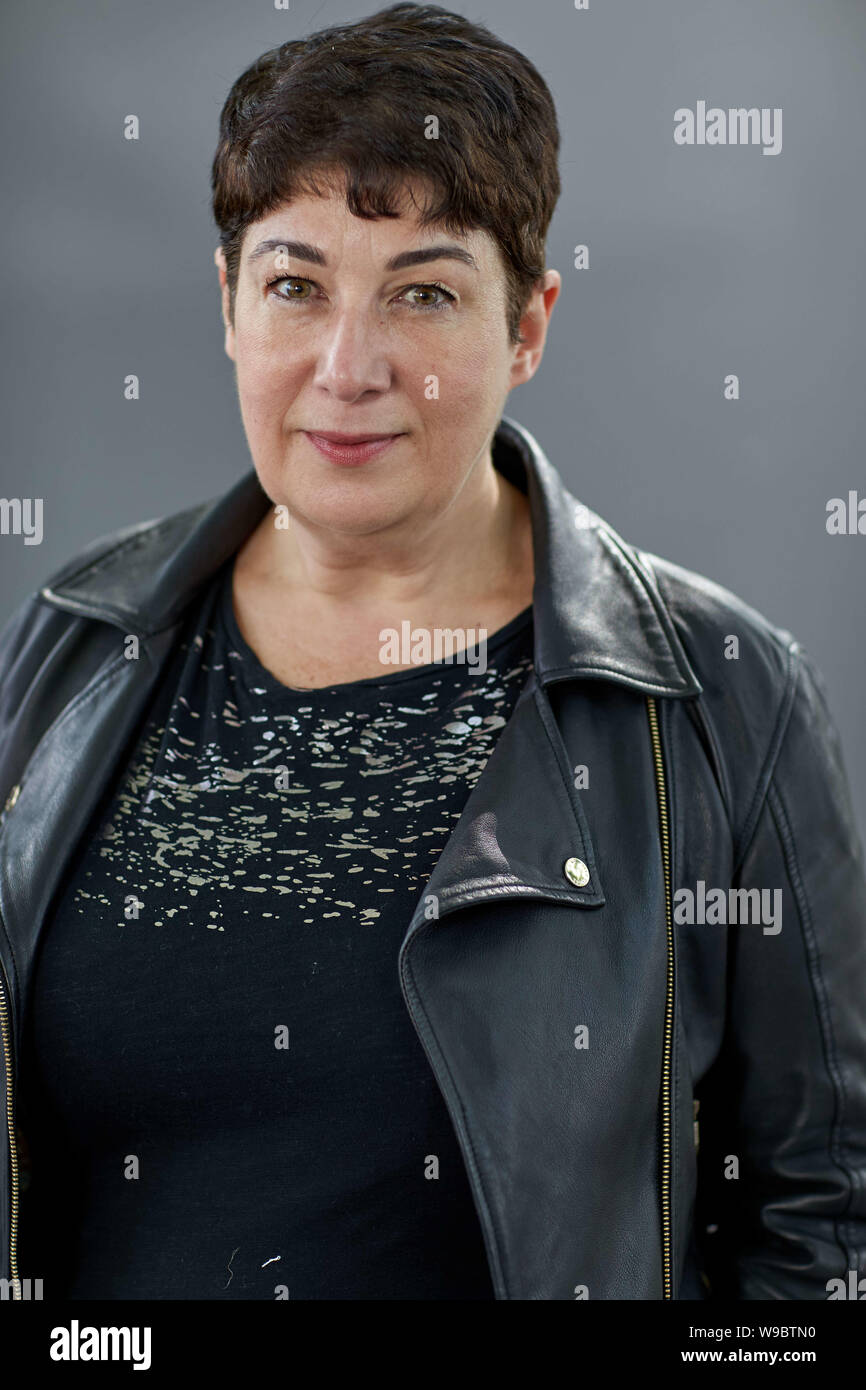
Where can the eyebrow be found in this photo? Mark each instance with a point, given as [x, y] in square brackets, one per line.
[303, 251]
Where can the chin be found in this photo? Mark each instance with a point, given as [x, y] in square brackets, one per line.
[350, 506]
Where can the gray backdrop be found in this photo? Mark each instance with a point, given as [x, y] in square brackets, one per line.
[704, 261]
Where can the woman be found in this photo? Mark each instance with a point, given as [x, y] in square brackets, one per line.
[393, 858]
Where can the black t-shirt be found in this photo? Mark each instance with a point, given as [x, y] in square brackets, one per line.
[222, 1090]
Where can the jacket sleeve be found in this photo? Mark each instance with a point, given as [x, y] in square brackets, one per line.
[794, 1092]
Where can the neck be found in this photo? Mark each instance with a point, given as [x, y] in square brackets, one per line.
[481, 545]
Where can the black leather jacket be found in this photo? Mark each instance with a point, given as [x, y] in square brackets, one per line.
[572, 1019]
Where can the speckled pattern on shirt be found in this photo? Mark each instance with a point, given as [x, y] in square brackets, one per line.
[374, 777]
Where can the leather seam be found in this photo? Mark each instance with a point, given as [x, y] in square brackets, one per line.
[14, 986]
[697, 712]
[496, 887]
[634, 679]
[819, 993]
[631, 562]
[771, 757]
[587, 848]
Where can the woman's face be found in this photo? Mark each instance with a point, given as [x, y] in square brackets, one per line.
[352, 336]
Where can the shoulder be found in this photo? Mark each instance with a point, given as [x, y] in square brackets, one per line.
[46, 621]
[751, 671]
[721, 632]
[145, 540]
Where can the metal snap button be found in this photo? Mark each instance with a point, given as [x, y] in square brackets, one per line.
[576, 872]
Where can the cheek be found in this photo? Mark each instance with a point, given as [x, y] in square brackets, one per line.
[264, 371]
[473, 369]
[480, 353]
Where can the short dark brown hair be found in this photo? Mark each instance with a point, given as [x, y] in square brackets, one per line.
[351, 103]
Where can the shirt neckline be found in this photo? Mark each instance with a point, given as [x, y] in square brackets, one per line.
[226, 614]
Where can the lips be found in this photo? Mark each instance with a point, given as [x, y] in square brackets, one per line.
[336, 438]
[350, 449]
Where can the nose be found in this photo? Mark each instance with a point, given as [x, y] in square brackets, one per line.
[351, 359]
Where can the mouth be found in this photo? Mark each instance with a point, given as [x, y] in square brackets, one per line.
[350, 448]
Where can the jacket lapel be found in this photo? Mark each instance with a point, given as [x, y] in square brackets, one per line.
[521, 823]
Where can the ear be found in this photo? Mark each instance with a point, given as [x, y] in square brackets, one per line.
[533, 328]
[220, 263]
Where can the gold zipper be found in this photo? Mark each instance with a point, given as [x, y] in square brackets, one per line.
[13, 1152]
[669, 1003]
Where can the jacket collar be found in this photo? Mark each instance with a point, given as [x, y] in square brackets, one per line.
[597, 609]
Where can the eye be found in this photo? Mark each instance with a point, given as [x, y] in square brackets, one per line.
[442, 303]
[428, 289]
[289, 280]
